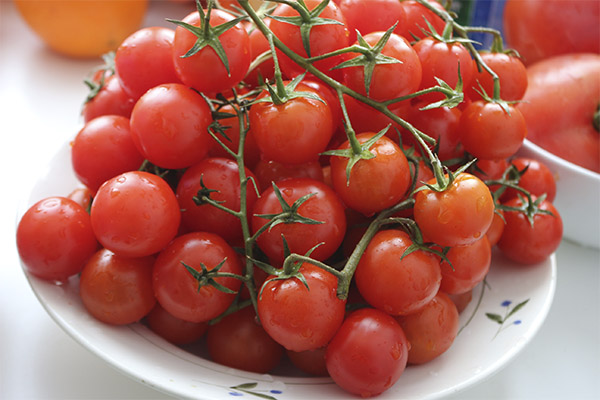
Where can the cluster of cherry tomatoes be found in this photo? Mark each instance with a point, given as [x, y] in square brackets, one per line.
[313, 216]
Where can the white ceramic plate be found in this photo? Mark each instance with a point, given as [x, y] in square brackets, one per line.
[482, 348]
[577, 195]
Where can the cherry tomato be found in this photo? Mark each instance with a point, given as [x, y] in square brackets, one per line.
[268, 172]
[102, 149]
[559, 105]
[310, 361]
[457, 216]
[494, 232]
[135, 214]
[371, 16]
[145, 59]
[393, 282]
[527, 244]
[469, 266]
[177, 290]
[539, 30]
[388, 80]
[489, 131]
[300, 317]
[324, 206]
[265, 71]
[441, 60]
[537, 179]
[55, 238]
[294, 132]
[117, 290]
[222, 176]
[323, 38]
[169, 126]
[461, 300]
[368, 354]
[416, 14]
[238, 341]
[110, 100]
[204, 71]
[511, 72]
[375, 184]
[172, 329]
[431, 330]
[82, 196]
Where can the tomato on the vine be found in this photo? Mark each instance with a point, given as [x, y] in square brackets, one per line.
[372, 16]
[511, 72]
[469, 264]
[301, 317]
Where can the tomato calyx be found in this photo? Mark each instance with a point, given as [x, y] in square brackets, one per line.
[443, 180]
[306, 20]
[206, 34]
[103, 72]
[370, 56]
[206, 277]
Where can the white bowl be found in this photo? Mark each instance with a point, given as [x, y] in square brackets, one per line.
[577, 195]
[482, 348]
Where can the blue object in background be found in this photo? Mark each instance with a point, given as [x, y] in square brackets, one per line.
[487, 13]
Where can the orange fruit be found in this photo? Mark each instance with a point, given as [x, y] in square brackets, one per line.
[83, 28]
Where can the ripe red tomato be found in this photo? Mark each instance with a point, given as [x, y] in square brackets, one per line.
[111, 99]
[172, 329]
[470, 265]
[55, 238]
[527, 244]
[441, 60]
[368, 354]
[457, 216]
[323, 38]
[221, 175]
[431, 330]
[117, 290]
[395, 283]
[375, 184]
[268, 172]
[511, 72]
[238, 341]
[145, 59]
[294, 132]
[135, 214]
[488, 131]
[371, 16]
[204, 71]
[310, 361]
[102, 149]
[169, 126]
[416, 14]
[494, 232]
[323, 206]
[537, 179]
[301, 318]
[559, 105]
[177, 290]
[388, 80]
[542, 29]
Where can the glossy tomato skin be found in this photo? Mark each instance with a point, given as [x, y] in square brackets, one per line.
[540, 30]
[368, 354]
[375, 184]
[110, 100]
[268, 172]
[469, 264]
[526, 244]
[488, 131]
[310, 361]
[301, 318]
[324, 206]
[395, 283]
[441, 60]
[204, 71]
[55, 238]
[416, 14]
[221, 175]
[323, 38]
[102, 149]
[388, 80]
[177, 290]
[144, 60]
[559, 105]
[135, 214]
[117, 290]
[431, 330]
[169, 126]
[172, 329]
[537, 179]
[457, 216]
[238, 341]
[511, 72]
[371, 16]
[294, 132]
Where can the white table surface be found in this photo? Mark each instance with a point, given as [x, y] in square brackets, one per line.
[40, 95]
